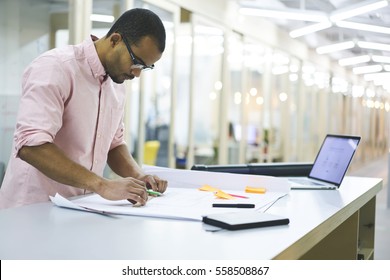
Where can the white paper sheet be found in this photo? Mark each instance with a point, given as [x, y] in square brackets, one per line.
[187, 204]
[183, 199]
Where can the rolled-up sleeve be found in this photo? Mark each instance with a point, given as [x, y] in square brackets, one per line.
[119, 137]
[44, 85]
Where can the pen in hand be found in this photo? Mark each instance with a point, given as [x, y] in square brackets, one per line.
[152, 192]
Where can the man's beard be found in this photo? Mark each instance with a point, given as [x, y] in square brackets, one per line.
[116, 79]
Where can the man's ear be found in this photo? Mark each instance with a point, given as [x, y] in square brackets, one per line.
[115, 39]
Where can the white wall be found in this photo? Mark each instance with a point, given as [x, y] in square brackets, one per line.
[24, 29]
[24, 34]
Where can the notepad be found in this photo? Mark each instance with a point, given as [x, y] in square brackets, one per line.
[244, 220]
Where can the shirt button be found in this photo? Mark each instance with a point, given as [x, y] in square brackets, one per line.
[98, 135]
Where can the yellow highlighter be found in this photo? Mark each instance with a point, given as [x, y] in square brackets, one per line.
[255, 190]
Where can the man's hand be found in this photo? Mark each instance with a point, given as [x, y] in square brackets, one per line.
[125, 188]
[124, 165]
[155, 183]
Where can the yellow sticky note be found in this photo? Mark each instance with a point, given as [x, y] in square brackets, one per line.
[255, 190]
[221, 194]
[208, 188]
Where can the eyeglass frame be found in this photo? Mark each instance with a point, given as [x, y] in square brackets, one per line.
[137, 62]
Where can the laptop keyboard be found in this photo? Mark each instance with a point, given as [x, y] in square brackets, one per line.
[306, 182]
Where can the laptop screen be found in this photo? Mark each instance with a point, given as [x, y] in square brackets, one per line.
[334, 158]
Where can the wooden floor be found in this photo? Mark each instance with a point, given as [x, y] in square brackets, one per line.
[379, 168]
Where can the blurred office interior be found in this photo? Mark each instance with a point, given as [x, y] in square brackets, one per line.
[239, 82]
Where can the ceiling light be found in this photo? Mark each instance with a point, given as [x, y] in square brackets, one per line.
[358, 9]
[293, 14]
[380, 59]
[363, 27]
[102, 18]
[335, 47]
[373, 46]
[367, 69]
[310, 29]
[354, 60]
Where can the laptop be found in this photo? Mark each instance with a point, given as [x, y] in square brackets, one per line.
[330, 165]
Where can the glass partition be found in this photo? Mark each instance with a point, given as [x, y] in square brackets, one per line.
[313, 110]
[289, 130]
[151, 99]
[234, 88]
[182, 121]
[277, 112]
[208, 53]
[254, 101]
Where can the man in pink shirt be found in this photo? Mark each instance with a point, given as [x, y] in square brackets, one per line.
[70, 121]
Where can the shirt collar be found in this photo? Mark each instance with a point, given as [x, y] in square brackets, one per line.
[94, 62]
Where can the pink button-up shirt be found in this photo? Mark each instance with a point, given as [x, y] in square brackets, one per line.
[65, 101]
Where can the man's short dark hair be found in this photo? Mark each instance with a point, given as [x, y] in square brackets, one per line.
[137, 23]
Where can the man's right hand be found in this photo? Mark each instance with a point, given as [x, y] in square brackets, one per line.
[124, 188]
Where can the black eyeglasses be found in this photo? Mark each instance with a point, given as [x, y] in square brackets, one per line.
[137, 63]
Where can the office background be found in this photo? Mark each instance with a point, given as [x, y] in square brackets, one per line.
[229, 89]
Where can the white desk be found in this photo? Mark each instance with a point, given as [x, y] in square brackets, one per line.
[323, 225]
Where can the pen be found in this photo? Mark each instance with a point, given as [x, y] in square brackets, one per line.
[238, 205]
[152, 192]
